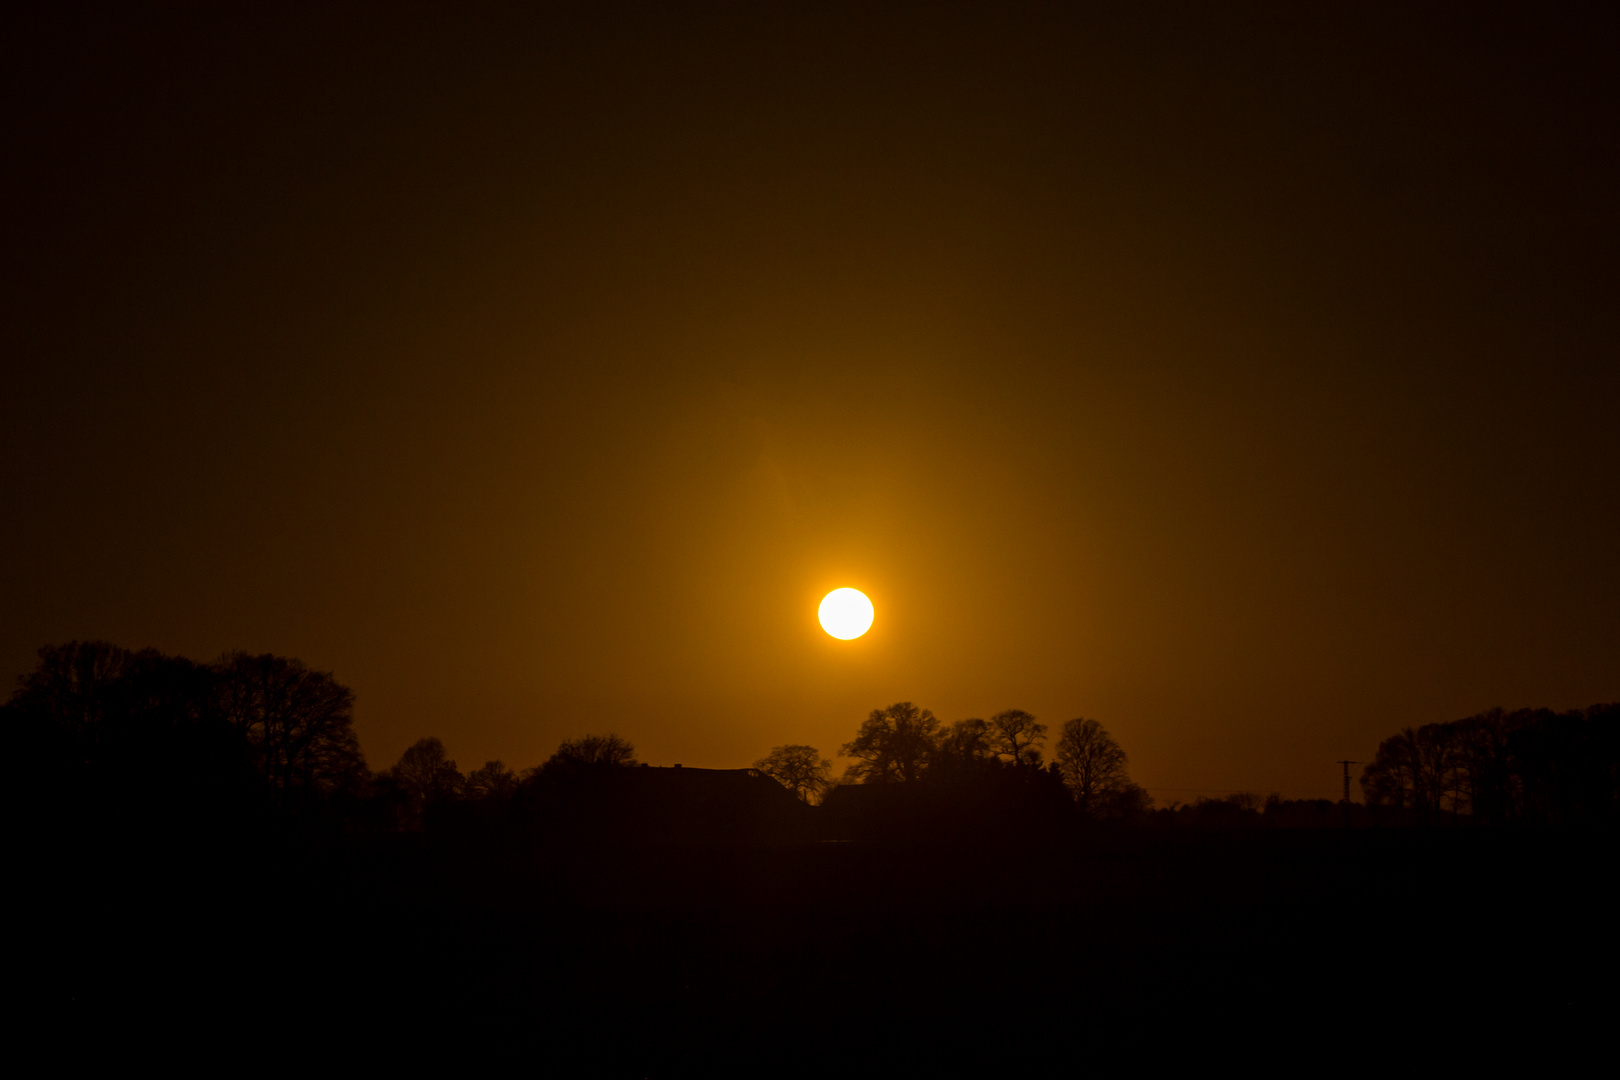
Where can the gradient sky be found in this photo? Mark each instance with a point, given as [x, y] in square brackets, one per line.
[1242, 376]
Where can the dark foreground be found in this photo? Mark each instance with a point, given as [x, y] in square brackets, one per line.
[806, 955]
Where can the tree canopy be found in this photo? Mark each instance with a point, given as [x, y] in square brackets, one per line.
[1530, 765]
[300, 723]
[1092, 764]
[1014, 735]
[160, 728]
[800, 769]
[894, 744]
[594, 751]
[965, 743]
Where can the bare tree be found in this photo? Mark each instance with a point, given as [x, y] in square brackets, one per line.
[1092, 764]
[1013, 734]
[493, 781]
[299, 722]
[966, 742]
[800, 769]
[893, 744]
[426, 774]
[1482, 752]
[1531, 765]
[1389, 779]
[606, 749]
[1424, 770]
[103, 727]
[74, 688]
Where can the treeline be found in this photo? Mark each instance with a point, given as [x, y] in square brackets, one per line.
[1496, 768]
[1530, 766]
[426, 789]
[135, 740]
[121, 736]
[116, 738]
[905, 744]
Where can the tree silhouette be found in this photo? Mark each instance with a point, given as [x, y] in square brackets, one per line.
[964, 744]
[1013, 734]
[894, 744]
[1421, 770]
[422, 782]
[105, 729]
[73, 685]
[63, 705]
[1531, 765]
[1092, 764]
[492, 781]
[426, 774]
[1482, 741]
[1389, 779]
[594, 750]
[800, 769]
[300, 723]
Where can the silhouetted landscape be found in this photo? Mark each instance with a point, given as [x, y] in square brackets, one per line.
[894, 539]
[214, 828]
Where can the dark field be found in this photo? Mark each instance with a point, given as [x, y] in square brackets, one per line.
[654, 956]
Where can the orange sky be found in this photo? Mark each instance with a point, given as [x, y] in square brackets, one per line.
[1243, 379]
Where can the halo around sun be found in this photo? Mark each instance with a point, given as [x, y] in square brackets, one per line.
[846, 613]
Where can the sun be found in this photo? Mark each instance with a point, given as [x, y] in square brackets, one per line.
[846, 613]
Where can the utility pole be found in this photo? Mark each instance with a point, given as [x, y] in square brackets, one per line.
[1347, 765]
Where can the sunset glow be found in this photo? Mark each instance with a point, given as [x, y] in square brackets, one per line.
[426, 430]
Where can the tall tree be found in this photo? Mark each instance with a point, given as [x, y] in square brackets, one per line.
[965, 743]
[1422, 769]
[800, 769]
[103, 726]
[427, 774]
[1092, 764]
[1482, 756]
[71, 693]
[1013, 734]
[1391, 778]
[300, 723]
[894, 744]
[1531, 765]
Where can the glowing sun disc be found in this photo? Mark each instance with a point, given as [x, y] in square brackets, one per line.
[846, 613]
